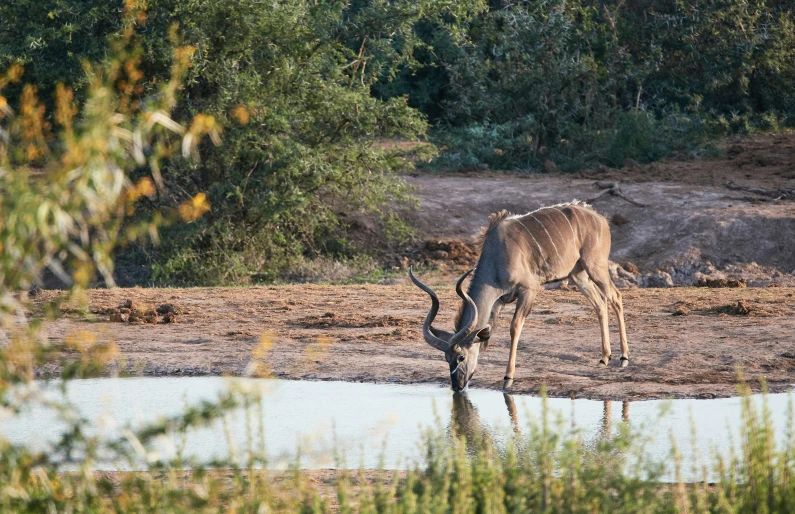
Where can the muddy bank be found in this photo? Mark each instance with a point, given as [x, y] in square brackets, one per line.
[684, 342]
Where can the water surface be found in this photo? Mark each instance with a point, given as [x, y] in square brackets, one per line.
[375, 424]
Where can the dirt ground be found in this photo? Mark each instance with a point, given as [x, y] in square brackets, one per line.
[371, 333]
[684, 341]
[691, 216]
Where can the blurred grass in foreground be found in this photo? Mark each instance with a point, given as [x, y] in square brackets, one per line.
[546, 467]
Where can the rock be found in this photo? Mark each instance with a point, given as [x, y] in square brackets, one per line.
[119, 317]
[623, 283]
[560, 284]
[550, 166]
[167, 308]
[625, 275]
[619, 220]
[602, 169]
[681, 311]
[631, 268]
[742, 308]
[631, 164]
[657, 279]
[440, 255]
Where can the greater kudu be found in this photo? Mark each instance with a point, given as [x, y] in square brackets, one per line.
[519, 254]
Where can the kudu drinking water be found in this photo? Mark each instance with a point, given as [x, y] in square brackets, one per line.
[519, 254]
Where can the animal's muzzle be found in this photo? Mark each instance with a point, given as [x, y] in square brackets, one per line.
[459, 380]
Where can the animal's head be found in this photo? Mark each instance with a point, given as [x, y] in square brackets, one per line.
[460, 348]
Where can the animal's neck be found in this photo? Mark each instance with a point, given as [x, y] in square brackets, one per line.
[484, 297]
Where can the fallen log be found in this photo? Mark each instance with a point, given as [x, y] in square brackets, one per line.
[775, 194]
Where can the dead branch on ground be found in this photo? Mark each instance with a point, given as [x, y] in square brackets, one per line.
[775, 194]
[612, 189]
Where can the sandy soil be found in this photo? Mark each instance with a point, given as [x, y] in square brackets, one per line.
[691, 217]
[371, 333]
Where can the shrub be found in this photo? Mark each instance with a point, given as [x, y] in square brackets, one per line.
[291, 85]
[572, 81]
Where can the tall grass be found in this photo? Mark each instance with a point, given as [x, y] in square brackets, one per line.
[546, 468]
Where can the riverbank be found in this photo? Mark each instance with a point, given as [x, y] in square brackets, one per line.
[684, 342]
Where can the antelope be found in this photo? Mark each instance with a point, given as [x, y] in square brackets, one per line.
[519, 254]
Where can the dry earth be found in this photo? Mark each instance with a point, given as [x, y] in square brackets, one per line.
[692, 217]
[372, 333]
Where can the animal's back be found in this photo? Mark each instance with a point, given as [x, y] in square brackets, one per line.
[547, 242]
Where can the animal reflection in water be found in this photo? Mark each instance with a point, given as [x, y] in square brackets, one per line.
[465, 422]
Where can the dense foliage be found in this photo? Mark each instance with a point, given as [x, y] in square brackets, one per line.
[290, 82]
[307, 92]
[584, 82]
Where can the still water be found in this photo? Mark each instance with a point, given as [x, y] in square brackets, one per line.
[374, 425]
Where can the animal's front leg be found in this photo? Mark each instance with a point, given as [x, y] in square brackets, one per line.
[485, 334]
[523, 306]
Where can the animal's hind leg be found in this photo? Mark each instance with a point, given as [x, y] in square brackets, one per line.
[601, 276]
[591, 291]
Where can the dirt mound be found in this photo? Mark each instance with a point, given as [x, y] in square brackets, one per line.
[453, 250]
[720, 282]
[765, 162]
[129, 311]
[447, 254]
[741, 308]
[734, 308]
[333, 320]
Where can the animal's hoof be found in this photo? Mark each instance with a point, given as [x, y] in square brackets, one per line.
[624, 362]
[507, 382]
[603, 361]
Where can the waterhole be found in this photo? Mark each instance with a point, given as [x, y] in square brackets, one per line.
[375, 425]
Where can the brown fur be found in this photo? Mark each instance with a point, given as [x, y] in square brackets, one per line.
[494, 219]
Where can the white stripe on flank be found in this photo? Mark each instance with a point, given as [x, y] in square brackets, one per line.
[550, 238]
[598, 232]
[548, 215]
[531, 235]
[573, 236]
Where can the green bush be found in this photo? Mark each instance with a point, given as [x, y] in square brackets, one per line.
[290, 83]
[573, 81]
[307, 91]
